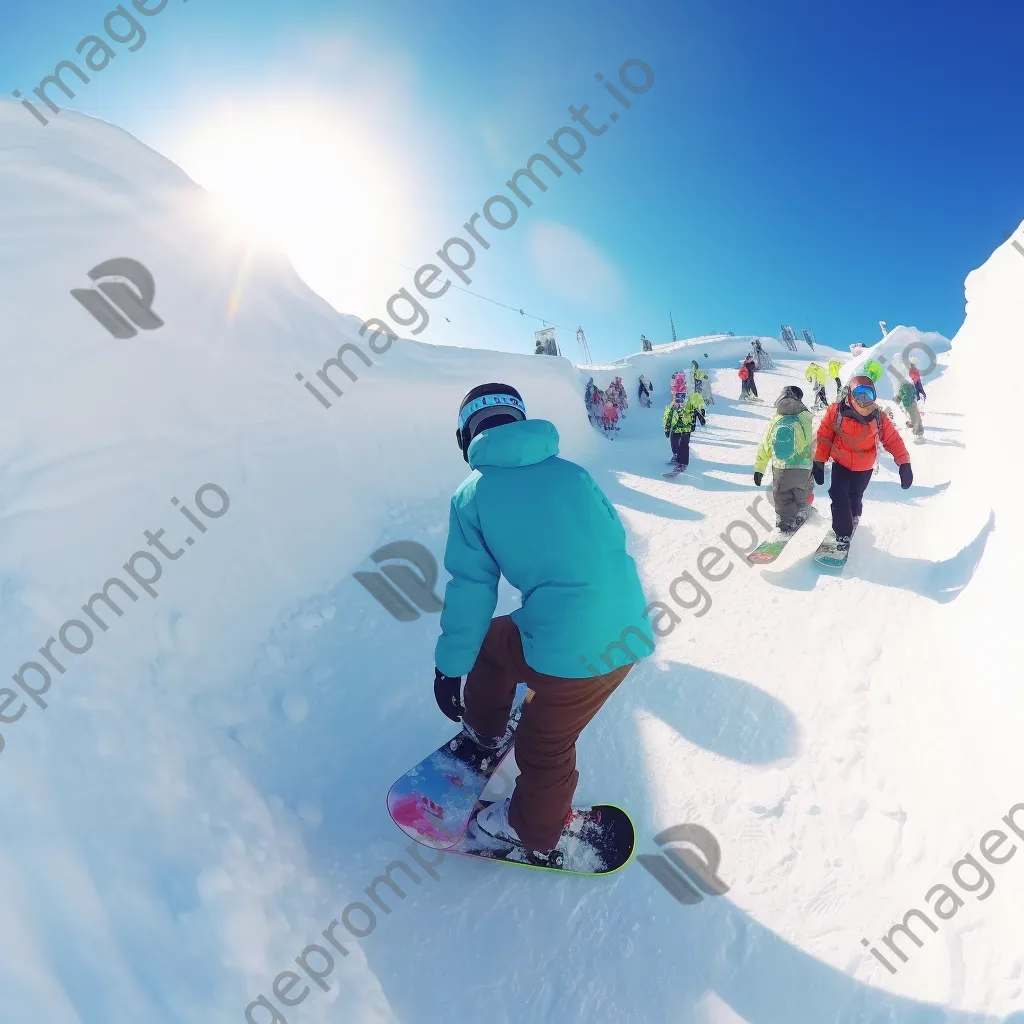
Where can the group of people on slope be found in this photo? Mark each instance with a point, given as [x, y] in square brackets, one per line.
[848, 436]
[605, 407]
[580, 587]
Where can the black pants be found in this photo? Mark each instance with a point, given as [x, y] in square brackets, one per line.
[753, 386]
[919, 389]
[839, 387]
[681, 449]
[822, 397]
[847, 491]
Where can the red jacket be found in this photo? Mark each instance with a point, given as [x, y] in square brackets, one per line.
[915, 374]
[855, 444]
[744, 373]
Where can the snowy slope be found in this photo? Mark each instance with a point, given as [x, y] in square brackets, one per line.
[204, 793]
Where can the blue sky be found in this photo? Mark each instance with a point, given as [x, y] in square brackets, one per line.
[803, 163]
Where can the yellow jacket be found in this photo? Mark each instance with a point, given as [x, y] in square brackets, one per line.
[834, 367]
[816, 375]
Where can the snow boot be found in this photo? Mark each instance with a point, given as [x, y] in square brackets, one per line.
[493, 822]
[478, 752]
[842, 544]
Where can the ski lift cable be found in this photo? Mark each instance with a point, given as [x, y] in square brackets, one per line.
[487, 299]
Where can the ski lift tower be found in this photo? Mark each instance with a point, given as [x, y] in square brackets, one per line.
[584, 347]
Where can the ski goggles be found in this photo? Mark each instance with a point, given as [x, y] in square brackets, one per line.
[864, 393]
[489, 402]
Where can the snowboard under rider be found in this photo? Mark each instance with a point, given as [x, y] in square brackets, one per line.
[581, 597]
[849, 434]
[787, 445]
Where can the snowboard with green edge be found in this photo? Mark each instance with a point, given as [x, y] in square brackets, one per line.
[774, 544]
[600, 842]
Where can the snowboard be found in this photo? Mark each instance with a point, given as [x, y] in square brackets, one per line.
[599, 841]
[828, 556]
[774, 544]
[434, 801]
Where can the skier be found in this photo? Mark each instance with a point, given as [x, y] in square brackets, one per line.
[906, 398]
[849, 434]
[643, 392]
[915, 377]
[580, 590]
[751, 366]
[787, 445]
[834, 366]
[680, 420]
[815, 376]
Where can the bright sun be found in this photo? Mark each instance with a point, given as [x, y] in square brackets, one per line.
[308, 185]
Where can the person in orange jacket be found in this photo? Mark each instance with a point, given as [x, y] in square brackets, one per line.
[849, 434]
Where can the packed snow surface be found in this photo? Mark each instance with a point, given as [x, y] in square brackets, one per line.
[194, 794]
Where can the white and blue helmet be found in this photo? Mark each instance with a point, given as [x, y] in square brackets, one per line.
[486, 406]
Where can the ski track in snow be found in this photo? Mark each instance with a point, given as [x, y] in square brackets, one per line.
[206, 790]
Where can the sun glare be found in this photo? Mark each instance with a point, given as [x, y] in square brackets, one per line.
[310, 186]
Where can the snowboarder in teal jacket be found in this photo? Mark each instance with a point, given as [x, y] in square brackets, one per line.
[544, 524]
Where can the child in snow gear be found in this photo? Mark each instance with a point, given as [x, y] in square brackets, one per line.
[906, 398]
[679, 422]
[849, 434]
[787, 445]
[581, 596]
[834, 367]
[643, 392]
[815, 376]
[751, 366]
[744, 375]
[915, 379]
[611, 412]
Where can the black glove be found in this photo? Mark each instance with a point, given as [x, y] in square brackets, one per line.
[819, 473]
[906, 475]
[448, 694]
[758, 477]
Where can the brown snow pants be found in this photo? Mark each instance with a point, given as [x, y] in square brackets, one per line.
[556, 714]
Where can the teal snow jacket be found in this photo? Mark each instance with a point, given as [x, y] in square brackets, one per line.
[545, 525]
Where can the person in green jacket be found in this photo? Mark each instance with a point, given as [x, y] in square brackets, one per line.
[787, 445]
[906, 397]
[834, 367]
[544, 524]
[679, 422]
[815, 376]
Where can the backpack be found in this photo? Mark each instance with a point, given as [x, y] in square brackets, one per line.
[784, 438]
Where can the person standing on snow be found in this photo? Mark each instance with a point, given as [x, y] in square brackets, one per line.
[849, 434]
[744, 375]
[581, 595]
[815, 376]
[915, 378]
[834, 368]
[906, 398]
[643, 392]
[680, 420]
[787, 445]
[751, 366]
[611, 411]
